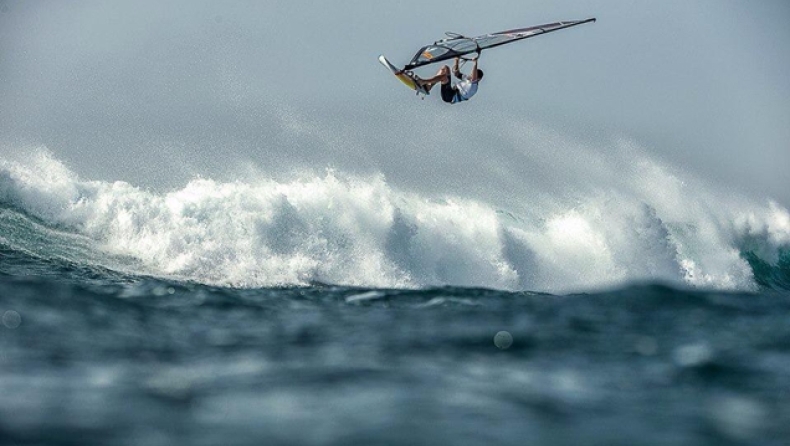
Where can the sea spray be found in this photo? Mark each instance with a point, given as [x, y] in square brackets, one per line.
[359, 230]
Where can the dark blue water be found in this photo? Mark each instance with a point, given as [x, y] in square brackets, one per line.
[88, 356]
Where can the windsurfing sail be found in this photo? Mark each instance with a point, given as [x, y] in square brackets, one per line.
[457, 45]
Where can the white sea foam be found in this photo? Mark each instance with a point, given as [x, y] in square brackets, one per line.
[356, 230]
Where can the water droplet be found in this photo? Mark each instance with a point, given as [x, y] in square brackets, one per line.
[503, 340]
[12, 319]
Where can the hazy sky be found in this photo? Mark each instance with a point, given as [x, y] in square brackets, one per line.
[157, 92]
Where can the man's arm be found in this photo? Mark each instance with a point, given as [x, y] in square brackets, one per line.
[457, 70]
[473, 76]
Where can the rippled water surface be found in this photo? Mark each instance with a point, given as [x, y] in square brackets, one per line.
[139, 361]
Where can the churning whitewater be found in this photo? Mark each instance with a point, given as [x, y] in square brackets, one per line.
[347, 229]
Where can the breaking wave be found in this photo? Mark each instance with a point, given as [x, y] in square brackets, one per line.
[355, 230]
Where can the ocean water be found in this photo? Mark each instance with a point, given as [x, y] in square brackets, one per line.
[338, 309]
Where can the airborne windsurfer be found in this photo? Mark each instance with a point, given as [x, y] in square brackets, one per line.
[457, 46]
[463, 90]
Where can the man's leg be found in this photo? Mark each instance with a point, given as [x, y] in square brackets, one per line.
[442, 76]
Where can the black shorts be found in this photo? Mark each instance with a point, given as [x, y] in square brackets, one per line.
[448, 92]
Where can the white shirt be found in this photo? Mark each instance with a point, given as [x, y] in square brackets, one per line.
[466, 89]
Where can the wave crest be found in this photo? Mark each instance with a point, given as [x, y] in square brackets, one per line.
[351, 230]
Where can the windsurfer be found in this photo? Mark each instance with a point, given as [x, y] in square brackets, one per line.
[463, 90]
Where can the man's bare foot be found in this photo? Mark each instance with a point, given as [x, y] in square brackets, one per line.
[422, 83]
